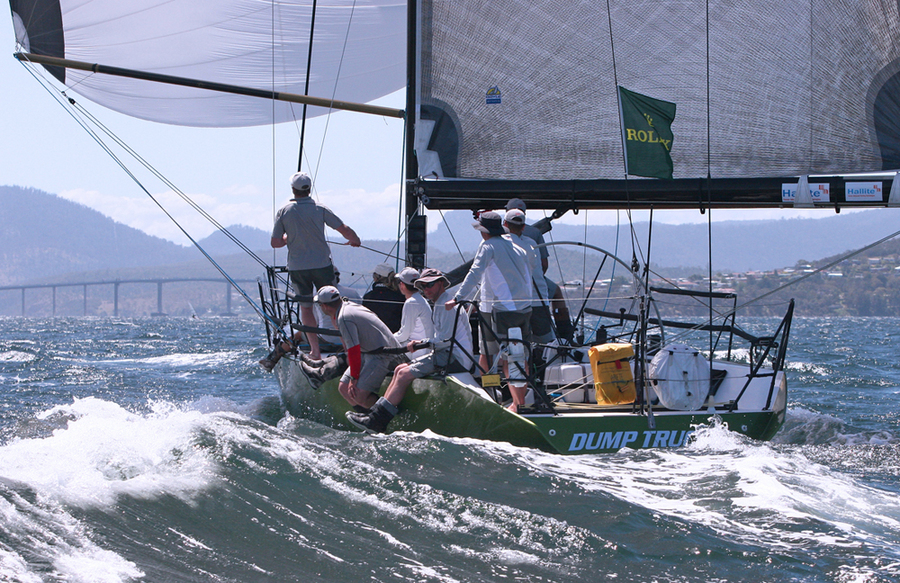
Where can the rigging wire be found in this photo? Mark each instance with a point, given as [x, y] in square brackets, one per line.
[635, 244]
[709, 175]
[452, 238]
[83, 118]
[337, 76]
[165, 180]
[274, 140]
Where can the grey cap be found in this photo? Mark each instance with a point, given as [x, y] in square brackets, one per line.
[408, 275]
[490, 222]
[327, 294]
[516, 203]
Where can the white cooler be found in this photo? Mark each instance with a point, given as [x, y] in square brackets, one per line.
[573, 379]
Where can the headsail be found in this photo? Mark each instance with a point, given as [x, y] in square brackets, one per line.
[359, 52]
[525, 93]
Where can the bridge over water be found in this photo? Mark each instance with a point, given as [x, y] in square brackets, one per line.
[117, 283]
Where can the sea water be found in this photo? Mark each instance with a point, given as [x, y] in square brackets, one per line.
[157, 450]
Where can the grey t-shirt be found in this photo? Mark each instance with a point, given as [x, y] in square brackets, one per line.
[359, 325]
[304, 220]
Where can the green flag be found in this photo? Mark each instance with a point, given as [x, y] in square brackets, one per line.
[646, 128]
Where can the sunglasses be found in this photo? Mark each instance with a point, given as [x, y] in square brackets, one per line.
[430, 284]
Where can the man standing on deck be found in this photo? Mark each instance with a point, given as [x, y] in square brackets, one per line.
[501, 268]
[541, 325]
[365, 338]
[532, 233]
[300, 225]
[451, 351]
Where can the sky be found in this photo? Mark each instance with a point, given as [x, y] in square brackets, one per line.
[238, 176]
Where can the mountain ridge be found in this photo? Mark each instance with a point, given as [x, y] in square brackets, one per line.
[45, 236]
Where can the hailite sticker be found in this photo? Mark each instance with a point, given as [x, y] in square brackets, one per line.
[820, 192]
[492, 95]
[864, 192]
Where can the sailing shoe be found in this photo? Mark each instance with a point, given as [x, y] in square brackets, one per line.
[313, 375]
[377, 420]
[306, 358]
[273, 357]
[361, 409]
[333, 367]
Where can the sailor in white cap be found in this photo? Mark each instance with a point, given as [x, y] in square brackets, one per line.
[502, 269]
[385, 298]
[300, 225]
[532, 233]
[416, 321]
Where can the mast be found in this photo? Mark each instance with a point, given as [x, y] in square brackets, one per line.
[312, 30]
[416, 225]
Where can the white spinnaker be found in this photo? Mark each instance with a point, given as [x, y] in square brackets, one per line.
[359, 52]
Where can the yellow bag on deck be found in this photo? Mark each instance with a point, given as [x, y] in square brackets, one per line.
[613, 379]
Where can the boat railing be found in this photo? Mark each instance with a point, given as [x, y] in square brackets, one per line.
[278, 302]
[763, 350]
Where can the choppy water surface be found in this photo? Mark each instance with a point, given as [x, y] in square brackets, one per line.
[157, 450]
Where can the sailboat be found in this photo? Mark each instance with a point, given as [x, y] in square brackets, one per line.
[638, 105]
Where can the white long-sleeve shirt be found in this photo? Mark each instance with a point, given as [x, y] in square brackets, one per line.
[537, 274]
[503, 271]
[444, 321]
[415, 323]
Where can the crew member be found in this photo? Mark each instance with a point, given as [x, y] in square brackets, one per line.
[502, 269]
[300, 225]
[385, 298]
[372, 351]
[415, 325]
[451, 352]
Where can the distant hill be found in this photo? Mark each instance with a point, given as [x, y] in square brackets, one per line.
[43, 237]
[44, 234]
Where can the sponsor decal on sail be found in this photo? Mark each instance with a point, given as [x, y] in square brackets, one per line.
[647, 133]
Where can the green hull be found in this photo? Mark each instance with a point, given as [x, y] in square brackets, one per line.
[455, 407]
[429, 404]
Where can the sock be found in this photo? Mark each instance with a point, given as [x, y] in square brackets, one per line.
[387, 406]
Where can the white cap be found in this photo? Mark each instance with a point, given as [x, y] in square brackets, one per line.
[515, 217]
[301, 181]
[327, 294]
[408, 275]
[383, 269]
